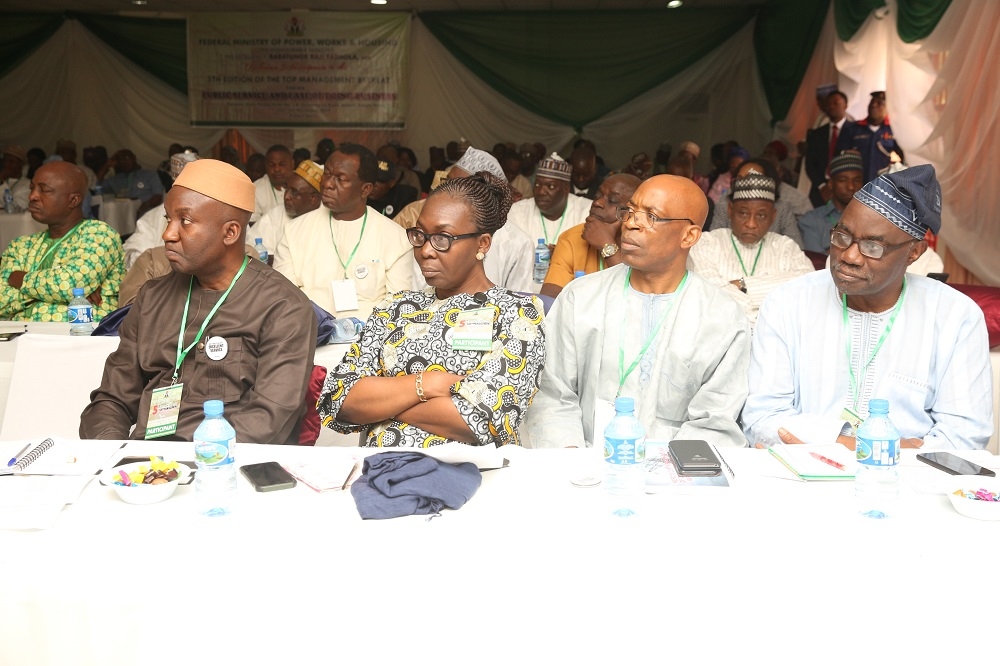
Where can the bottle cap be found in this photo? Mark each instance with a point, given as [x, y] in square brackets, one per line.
[213, 408]
[258, 240]
[878, 405]
[541, 241]
[577, 274]
[77, 291]
[624, 405]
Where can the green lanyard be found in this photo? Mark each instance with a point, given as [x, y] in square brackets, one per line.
[855, 395]
[356, 246]
[52, 249]
[182, 351]
[545, 229]
[600, 262]
[622, 372]
[740, 257]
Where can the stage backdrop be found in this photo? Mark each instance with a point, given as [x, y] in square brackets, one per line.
[281, 69]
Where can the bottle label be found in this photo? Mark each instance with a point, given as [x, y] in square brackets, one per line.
[877, 452]
[624, 451]
[80, 314]
[214, 453]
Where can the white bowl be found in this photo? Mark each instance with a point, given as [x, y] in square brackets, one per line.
[144, 493]
[974, 508]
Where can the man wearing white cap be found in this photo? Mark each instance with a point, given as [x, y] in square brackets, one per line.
[746, 260]
[692, 151]
[827, 343]
[149, 228]
[553, 209]
[220, 326]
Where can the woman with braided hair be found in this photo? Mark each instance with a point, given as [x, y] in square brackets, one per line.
[458, 361]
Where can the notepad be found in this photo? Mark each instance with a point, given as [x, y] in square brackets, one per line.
[57, 456]
[326, 475]
[799, 460]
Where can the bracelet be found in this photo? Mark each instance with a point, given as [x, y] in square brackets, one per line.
[420, 387]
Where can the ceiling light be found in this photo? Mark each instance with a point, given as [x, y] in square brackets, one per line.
[674, 4]
[378, 2]
[140, 3]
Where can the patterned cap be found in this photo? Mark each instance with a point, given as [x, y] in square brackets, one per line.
[16, 151]
[475, 160]
[754, 186]
[690, 147]
[179, 160]
[310, 172]
[386, 172]
[554, 167]
[848, 160]
[910, 199]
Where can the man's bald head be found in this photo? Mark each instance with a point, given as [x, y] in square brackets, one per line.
[57, 193]
[661, 245]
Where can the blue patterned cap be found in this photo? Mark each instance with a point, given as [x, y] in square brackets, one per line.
[910, 199]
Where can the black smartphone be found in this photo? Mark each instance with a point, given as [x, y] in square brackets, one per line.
[940, 277]
[268, 476]
[949, 462]
[694, 457]
[7, 337]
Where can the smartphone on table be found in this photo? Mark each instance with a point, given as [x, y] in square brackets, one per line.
[268, 476]
[949, 462]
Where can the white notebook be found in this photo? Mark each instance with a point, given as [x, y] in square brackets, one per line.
[56, 456]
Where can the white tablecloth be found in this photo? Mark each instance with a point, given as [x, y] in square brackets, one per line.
[120, 214]
[531, 571]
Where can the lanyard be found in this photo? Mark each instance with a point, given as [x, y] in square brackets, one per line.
[356, 245]
[182, 351]
[740, 257]
[622, 372]
[600, 262]
[53, 247]
[855, 396]
[274, 192]
[545, 229]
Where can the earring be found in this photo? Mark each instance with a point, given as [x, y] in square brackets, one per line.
[480, 256]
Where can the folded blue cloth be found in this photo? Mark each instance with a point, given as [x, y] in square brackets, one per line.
[406, 483]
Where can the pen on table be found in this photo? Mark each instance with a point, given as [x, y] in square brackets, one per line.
[828, 461]
[20, 453]
[348, 480]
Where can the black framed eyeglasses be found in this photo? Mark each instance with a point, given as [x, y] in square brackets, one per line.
[440, 242]
[869, 248]
[644, 219]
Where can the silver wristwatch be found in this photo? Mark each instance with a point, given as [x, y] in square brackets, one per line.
[609, 250]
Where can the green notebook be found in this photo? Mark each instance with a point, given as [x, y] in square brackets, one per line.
[830, 462]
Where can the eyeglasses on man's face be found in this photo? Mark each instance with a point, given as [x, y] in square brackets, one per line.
[646, 220]
[440, 242]
[869, 248]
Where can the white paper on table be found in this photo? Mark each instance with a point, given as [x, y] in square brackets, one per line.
[34, 502]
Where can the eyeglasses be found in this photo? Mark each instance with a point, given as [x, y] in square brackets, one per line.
[440, 242]
[646, 220]
[869, 248]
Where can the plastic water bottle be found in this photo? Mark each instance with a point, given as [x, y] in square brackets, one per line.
[261, 250]
[80, 314]
[346, 329]
[542, 256]
[876, 482]
[214, 453]
[8, 202]
[624, 454]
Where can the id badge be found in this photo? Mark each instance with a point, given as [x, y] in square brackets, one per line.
[473, 330]
[164, 408]
[604, 411]
[345, 295]
[851, 417]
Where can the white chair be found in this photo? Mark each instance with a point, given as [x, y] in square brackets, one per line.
[51, 382]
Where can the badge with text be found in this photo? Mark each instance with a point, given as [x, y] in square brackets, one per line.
[164, 408]
[345, 295]
[473, 330]
[361, 271]
[216, 348]
[851, 417]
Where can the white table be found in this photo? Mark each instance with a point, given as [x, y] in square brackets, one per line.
[120, 214]
[531, 571]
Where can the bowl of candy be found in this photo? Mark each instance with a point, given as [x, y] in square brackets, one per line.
[147, 482]
[975, 496]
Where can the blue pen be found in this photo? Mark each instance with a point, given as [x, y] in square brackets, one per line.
[12, 461]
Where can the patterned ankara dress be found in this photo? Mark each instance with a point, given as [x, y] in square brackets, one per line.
[412, 331]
